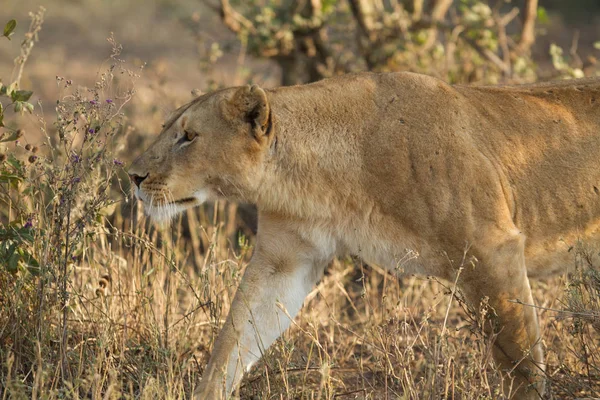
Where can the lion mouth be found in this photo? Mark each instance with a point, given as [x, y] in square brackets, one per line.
[141, 196]
[186, 200]
[163, 211]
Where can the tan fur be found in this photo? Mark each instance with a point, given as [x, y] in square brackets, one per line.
[400, 169]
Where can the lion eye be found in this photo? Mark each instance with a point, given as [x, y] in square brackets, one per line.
[190, 135]
[187, 137]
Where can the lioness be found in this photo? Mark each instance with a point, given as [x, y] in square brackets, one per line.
[378, 165]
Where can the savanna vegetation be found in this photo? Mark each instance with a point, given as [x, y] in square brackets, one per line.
[97, 302]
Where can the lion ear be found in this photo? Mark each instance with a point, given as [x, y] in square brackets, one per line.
[249, 104]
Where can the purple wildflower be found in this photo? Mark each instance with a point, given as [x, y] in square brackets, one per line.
[93, 102]
[109, 101]
[28, 224]
[75, 158]
[91, 130]
[118, 162]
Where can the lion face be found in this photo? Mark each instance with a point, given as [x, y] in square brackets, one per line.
[212, 147]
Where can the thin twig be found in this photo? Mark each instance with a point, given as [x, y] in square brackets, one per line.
[571, 313]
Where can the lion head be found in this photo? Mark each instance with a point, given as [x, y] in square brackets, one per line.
[212, 147]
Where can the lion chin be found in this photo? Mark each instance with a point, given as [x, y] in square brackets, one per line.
[163, 213]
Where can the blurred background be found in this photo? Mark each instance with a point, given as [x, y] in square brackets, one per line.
[188, 44]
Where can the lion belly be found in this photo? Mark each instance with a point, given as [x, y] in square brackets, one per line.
[384, 245]
[548, 256]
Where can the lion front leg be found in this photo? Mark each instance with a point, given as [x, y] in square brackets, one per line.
[502, 277]
[282, 272]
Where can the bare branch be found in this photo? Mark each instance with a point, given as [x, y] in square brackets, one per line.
[310, 18]
[417, 9]
[289, 70]
[508, 17]
[231, 18]
[363, 13]
[490, 55]
[528, 32]
[439, 9]
[314, 43]
[502, 40]
[426, 23]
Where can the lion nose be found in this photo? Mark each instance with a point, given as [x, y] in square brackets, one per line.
[137, 179]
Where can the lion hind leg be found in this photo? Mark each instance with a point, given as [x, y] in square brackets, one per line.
[501, 276]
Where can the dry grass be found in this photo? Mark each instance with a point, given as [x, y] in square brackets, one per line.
[135, 311]
[148, 334]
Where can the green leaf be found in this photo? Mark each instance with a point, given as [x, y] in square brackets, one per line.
[327, 6]
[9, 28]
[542, 15]
[26, 234]
[11, 249]
[21, 95]
[32, 265]
[8, 178]
[13, 262]
[18, 106]
[10, 138]
[15, 163]
[9, 89]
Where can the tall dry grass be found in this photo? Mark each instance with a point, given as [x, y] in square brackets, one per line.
[102, 304]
